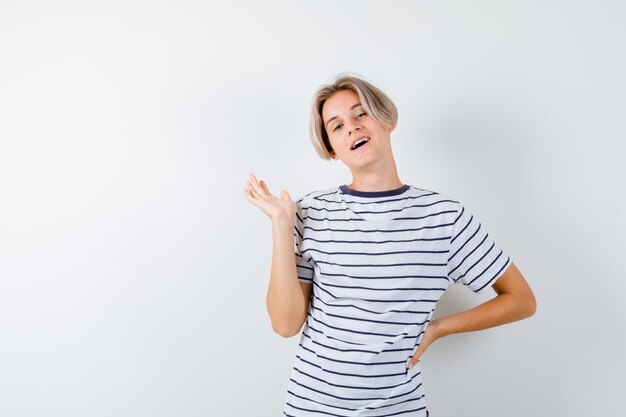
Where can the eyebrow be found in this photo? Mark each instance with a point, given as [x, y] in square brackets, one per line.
[334, 117]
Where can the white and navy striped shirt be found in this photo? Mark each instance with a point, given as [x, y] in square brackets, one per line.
[378, 263]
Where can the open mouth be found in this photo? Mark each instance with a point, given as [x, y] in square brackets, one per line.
[361, 142]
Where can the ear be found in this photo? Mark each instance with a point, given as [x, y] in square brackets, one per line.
[391, 129]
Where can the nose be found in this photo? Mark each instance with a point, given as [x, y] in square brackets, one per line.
[354, 126]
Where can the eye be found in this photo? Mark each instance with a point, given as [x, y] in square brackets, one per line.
[362, 114]
[336, 127]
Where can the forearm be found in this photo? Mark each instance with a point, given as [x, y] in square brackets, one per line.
[505, 308]
[285, 299]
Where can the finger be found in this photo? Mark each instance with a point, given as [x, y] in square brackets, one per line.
[265, 187]
[251, 190]
[286, 194]
[247, 194]
[415, 358]
[255, 184]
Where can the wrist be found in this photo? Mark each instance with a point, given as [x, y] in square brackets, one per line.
[282, 222]
[439, 327]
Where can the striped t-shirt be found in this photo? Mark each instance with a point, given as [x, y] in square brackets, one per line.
[378, 263]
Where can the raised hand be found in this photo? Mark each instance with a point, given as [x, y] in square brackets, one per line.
[281, 208]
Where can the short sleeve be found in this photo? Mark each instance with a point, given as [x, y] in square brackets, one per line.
[474, 258]
[304, 264]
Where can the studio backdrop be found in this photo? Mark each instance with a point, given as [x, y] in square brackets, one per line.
[133, 270]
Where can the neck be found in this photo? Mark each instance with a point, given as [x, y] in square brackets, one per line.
[383, 179]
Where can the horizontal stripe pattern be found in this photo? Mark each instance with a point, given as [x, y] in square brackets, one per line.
[378, 263]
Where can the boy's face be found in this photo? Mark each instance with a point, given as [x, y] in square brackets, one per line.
[346, 122]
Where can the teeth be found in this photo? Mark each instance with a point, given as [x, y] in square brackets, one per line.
[365, 139]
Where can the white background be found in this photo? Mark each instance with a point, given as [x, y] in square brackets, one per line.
[133, 270]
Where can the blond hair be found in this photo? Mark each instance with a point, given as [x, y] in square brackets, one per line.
[376, 103]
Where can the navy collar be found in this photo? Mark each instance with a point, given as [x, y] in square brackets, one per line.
[347, 190]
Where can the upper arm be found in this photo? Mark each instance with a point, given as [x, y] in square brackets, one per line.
[306, 290]
[474, 258]
[512, 281]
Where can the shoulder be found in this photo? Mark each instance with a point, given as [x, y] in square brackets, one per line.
[319, 198]
[434, 195]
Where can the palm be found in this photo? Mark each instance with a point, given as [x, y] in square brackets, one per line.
[275, 208]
